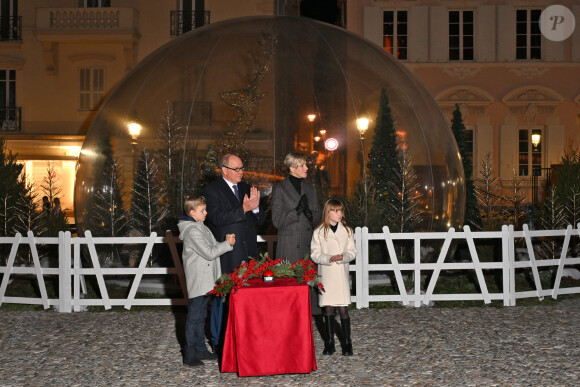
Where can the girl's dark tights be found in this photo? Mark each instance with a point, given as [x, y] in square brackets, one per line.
[342, 311]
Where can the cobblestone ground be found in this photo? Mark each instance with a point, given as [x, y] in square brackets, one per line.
[525, 346]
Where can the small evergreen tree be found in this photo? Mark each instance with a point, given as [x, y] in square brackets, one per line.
[488, 194]
[550, 217]
[355, 204]
[148, 214]
[402, 209]
[29, 217]
[11, 188]
[109, 217]
[568, 184]
[514, 212]
[195, 178]
[168, 156]
[472, 216]
[51, 184]
[403, 185]
[55, 221]
[568, 187]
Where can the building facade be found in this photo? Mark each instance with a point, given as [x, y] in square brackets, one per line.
[59, 59]
[510, 81]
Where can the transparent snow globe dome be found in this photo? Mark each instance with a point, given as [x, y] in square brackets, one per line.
[263, 87]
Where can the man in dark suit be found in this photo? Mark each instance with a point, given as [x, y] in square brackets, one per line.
[233, 207]
[231, 213]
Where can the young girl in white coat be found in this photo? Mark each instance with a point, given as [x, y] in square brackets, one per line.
[333, 248]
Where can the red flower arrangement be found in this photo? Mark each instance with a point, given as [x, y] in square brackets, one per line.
[303, 270]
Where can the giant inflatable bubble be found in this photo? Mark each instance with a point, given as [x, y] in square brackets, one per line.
[262, 87]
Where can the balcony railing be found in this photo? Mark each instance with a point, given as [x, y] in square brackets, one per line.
[11, 119]
[182, 23]
[11, 29]
[67, 20]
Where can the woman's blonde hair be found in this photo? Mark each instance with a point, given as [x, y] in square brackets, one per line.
[332, 204]
[192, 204]
[292, 159]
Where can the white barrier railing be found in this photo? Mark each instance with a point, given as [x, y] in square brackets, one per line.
[71, 274]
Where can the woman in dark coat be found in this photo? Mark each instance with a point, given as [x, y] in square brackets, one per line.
[295, 210]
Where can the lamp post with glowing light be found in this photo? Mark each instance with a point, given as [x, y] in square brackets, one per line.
[362, 124]
[134, 132]
[311, 117]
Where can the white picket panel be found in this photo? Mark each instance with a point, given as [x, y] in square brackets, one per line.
[72, 275]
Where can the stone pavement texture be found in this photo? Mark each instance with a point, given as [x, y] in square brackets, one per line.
[509, 346]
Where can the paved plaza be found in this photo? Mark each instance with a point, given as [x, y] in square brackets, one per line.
[481, 346]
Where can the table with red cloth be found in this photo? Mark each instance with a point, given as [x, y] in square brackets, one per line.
[269, 329]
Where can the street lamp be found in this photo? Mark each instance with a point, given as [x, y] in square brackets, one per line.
[536, 137]
[134, 132]
[362, 124]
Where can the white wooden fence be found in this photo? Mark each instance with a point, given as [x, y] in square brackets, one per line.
[71, 274]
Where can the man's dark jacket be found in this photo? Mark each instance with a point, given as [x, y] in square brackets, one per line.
[225, 215]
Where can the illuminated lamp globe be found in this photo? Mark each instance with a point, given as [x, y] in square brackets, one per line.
[331, 144]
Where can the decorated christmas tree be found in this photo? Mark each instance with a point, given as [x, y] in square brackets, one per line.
[472, 216]
[383, 156]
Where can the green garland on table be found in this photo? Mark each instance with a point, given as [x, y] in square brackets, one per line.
[303, 270]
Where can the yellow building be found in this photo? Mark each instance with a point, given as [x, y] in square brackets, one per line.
[59, 59]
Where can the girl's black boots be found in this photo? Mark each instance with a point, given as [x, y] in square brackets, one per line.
[347, 348]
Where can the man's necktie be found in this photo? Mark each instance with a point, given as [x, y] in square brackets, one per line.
[236, 192]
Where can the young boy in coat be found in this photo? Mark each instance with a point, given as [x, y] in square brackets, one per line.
[201, 264]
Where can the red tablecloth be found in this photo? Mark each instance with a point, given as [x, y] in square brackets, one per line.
[269, 330]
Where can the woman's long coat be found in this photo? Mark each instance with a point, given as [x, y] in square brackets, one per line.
[294, 231]
[334, 275]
